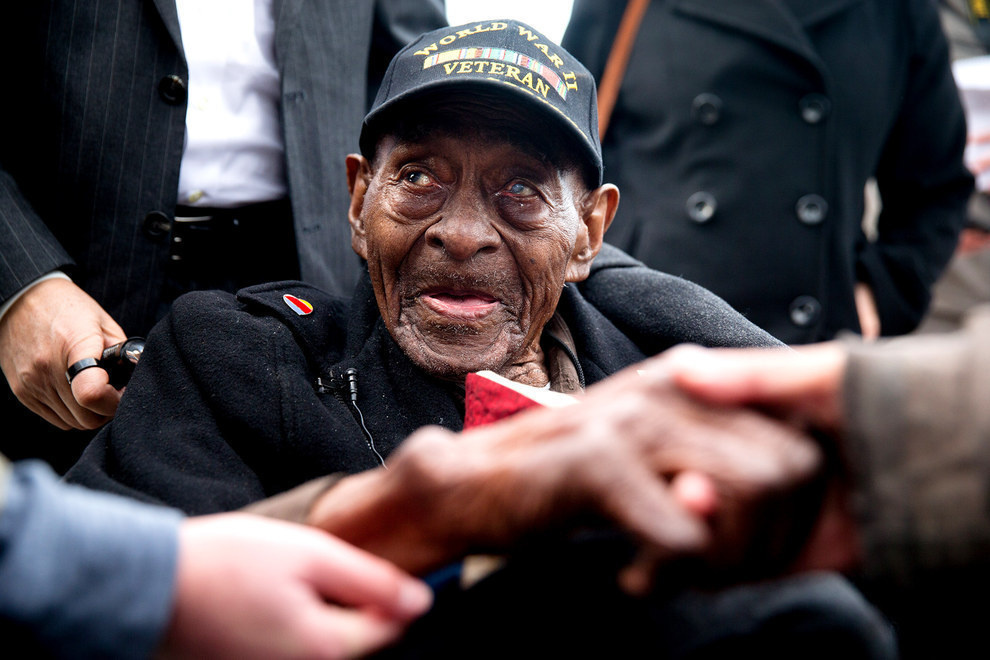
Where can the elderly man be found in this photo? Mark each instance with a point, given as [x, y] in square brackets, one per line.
[479, 209]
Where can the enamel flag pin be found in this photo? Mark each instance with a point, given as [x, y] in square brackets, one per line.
[298, 305]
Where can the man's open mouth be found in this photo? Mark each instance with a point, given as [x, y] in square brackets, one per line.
[458, 304]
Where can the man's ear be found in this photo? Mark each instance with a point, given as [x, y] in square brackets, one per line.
[358, 178]
[597, 210]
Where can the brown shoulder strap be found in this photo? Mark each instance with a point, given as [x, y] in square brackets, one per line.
[615, 66]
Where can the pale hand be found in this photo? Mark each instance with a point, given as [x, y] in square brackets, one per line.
[50, 327]
[866, 311]
[250, 587]
[802, 385]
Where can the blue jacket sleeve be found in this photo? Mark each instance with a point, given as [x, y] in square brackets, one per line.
[84, 574]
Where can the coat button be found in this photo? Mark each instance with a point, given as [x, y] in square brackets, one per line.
[804, 311]
[811, 209]
[172, 89]
[156, 225]
[706, 108]
[701, 207]
[814, 108]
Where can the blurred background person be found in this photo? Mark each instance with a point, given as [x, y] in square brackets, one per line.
[744, 133]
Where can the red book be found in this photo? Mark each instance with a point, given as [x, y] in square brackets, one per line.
[489, 397]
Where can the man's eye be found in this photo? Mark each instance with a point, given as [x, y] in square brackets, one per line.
[521, 189]
[417, 178]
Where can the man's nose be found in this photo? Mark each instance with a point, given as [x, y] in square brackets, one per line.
[464, 230]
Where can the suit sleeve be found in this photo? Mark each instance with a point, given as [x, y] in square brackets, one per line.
[922, 180]
[84, 574]
[28, 249]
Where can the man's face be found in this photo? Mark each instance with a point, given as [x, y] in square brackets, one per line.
[469, 238]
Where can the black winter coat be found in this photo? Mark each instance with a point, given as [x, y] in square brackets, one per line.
[745, 133]
[226, 405]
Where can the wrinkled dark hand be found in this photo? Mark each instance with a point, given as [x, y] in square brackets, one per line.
[682, 478]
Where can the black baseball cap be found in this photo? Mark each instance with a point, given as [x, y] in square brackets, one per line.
[503, 56]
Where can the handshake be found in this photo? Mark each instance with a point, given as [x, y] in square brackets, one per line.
[652, 452]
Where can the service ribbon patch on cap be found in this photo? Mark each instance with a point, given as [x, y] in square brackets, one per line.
[298, 305]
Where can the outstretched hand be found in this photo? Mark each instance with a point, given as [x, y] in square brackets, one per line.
[53, 325]
[683, 478]
[802, 386]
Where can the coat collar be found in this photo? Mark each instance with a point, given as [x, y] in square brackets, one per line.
[781, 22]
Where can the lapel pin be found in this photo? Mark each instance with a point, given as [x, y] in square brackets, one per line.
[298, 305]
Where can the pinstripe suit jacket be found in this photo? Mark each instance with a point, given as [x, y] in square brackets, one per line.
[91, 146]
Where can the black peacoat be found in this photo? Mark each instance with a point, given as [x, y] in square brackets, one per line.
[745, 132]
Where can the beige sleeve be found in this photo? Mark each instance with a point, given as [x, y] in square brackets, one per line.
[294, 505]
[918, 412]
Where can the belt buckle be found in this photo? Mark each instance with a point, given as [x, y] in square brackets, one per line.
[183, 228]
[193, 219]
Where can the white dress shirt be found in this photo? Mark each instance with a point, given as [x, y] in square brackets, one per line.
[234, 153]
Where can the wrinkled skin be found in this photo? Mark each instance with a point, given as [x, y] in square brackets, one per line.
[471, 224]
[804, 387]
[733, 489]
[470, 236]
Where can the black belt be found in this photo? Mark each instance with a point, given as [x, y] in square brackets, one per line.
[195, 227]
[232, 218]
